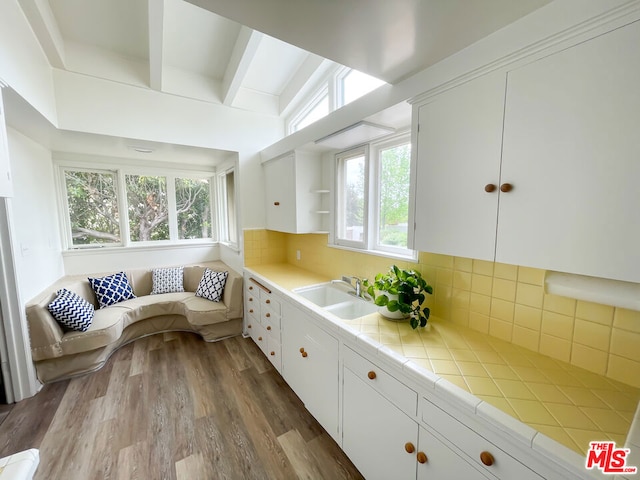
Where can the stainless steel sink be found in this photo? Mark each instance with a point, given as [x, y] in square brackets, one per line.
[335, 297]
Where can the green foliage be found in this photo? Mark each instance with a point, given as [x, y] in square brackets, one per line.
[410, 288]
[148, 211]
[394, 194]
[194, 208]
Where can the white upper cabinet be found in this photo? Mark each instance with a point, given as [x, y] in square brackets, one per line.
[458, 153]
[293, 187]
[545, 174]
[6, 185]
[572, 152]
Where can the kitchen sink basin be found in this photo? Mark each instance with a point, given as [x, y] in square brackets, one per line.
[334, 298]
[324, 294]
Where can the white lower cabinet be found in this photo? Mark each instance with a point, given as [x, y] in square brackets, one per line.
[375, 433]
[310, 366]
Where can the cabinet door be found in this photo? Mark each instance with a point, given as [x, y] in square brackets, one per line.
[375, 432]
[441, 462]
[458, 153]
[6, 185]
[310, 366]
[572, 153]
[280, 188]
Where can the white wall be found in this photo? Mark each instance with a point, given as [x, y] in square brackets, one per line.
[103, 260]
[23, 64]
[35, 220]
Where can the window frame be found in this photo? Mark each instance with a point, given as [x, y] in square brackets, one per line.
[371, 219]
[340, 159]
[224, 228]
[120, 170]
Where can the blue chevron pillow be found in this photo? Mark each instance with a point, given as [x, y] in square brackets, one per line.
[71, 310]
[111, 289]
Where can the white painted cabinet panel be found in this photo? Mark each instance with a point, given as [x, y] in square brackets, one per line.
[572, 153]
[310, 366]
[458, 153]
[375, 432]
[6, 184]
[292, 184]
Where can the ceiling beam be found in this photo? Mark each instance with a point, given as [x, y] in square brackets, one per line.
[156, 43]
[44, 25]
[243, 52]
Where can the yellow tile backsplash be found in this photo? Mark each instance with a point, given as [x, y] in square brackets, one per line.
[505, 301]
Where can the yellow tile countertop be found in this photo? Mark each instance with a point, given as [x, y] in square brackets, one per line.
[564, 402]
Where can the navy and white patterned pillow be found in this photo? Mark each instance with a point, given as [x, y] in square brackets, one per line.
[111, 289]
[167, 280]
[212, 285]
[71, 310]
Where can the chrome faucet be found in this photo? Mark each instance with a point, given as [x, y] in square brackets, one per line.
[349, 281]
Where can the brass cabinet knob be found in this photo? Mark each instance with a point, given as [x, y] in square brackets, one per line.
[371, 375]
[250, 287]
[409, 448]
[489, 187]
[487, 458]
[268, 327]
[260, 339]
[248, 326]
[251, 299]
[304, 354]
[301, 349]
[251, 310]
[267, 315]
[421, 457]
[276, 204]
[267, 301]
[506, 187]
[273, 353]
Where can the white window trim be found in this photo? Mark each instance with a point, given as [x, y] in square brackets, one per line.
[120, 171]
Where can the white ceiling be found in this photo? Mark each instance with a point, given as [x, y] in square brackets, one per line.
[261, 55]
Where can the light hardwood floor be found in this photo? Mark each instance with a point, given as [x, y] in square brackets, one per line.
[171, 406]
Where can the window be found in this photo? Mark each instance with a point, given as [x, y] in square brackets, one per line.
[355, 84]
[227, 206]
[351, 212]
[117, 208]
[193, 205]
[93, 207]
[372, 197]
[318, 108]
[338, 87]
[393, 196]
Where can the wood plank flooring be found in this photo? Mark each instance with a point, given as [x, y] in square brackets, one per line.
[172, 406]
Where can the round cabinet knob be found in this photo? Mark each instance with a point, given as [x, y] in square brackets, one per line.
[421, 457]
[273, 354]
[487, 458]
[277, 204]
[304, 354]
[372, 376]
[269, 327]
[301, 349]
[260, 338]
[251, 310]
[248, 326]
[489, 187]
[506, 187]
[267, 315]
[268, 301]
[250, 288]
[251, 299]
[409, 448]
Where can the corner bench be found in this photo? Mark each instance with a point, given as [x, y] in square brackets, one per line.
[59, 353]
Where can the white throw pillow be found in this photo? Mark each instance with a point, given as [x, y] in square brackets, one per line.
[168, 280]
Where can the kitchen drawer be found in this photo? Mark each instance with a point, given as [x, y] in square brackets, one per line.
[274, 352]
[398, 393]
[473, 445]
[272, 327]
[259, 336]
[269, 317]
[270, 303]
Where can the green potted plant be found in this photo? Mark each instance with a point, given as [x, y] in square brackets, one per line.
[401, 294]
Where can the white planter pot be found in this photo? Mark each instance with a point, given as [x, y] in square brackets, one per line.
[397, 315]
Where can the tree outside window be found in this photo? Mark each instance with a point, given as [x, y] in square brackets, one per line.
[393, 214]
[147, 208]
